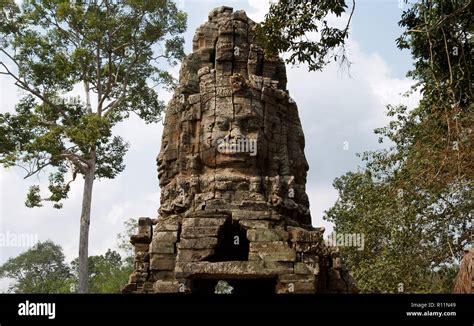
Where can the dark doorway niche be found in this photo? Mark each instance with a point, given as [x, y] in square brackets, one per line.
[232, 244]
[258, 286]
[213, 56]
[203, 286]
[213, 59]
[253, 286]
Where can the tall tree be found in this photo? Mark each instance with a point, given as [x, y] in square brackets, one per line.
[413, 201]
[108, 273]
[41, 269]
[114, 50]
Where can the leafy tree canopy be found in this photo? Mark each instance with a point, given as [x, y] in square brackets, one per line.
[109, 48]
[41, 269]
[413, 200]
[108, 273]
[290, 27]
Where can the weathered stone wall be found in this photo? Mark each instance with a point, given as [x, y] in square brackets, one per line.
[232, 173]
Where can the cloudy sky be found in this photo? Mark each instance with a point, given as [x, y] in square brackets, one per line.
[338, 112]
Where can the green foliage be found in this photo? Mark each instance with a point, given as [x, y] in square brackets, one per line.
[48, 48]
[114, 50]
[404, 241]
[33, 198]
[107, 273]
[288, 27]
[222, 287]
[41, 269]
[57, 187]
[413, 201]
[8, 15]
[123, 239]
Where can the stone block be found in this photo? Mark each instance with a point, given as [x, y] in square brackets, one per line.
[171, 224]
[228, 269]
[302, 268]
[194, 254]
[302, 278]
[254, 224]
[295, 288]
[298, 234]
[197, 243]
[166, 286]
[202, 221]
[162, 262]
[171, 236]
[160, 247]
[266, 235]
[250, 215]
[279, 267]
[307, 247]
[271, 251]
[200, 232]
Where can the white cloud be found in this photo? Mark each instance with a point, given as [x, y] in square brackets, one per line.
[321, 198]
[5, 284]
[259, 9]
[9, 94]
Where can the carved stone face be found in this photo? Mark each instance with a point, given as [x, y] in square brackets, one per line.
[234, 137]
[231, 125]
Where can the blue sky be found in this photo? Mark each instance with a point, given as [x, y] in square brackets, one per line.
[338, 113]
[375, 27]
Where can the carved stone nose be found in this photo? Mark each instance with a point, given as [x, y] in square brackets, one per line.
[236, 130]
[236, 133]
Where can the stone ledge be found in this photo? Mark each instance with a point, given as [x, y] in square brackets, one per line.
[295, 288]
[232, 269]
[198, 243]
[170, 236]
[298, 234]
[267, 235]
[160, 247]
[162, 262]
[193, 255]
[194, 232]
[251, 215]
[166, 286]
[203, 221]
[271, 251]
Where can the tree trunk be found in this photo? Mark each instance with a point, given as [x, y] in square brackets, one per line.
[84, 229]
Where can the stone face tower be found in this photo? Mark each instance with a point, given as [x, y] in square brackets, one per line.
[232, 174]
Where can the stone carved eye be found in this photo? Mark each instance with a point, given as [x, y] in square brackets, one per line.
[253, 125]
[249, 124]
[223, 125]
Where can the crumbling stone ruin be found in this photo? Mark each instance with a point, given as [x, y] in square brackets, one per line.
[233, 212]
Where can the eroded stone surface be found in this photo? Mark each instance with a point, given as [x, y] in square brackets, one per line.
[232, 173]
